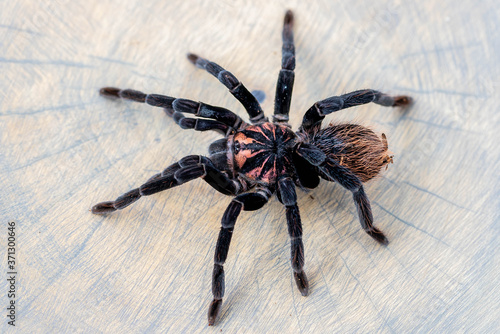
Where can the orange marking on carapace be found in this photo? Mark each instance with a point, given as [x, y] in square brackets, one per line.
[270, 176]
[257, 171]
[258, 130]
[242, 139]
[243, 155]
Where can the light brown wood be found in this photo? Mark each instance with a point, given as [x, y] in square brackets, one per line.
[148, 268]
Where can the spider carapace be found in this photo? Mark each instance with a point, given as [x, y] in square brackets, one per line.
[254, 161]
[260, 152]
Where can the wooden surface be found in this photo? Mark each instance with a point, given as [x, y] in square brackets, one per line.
[148, 268]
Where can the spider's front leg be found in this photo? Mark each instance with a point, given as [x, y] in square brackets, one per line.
[284, 86]
[219, 119]
[187, 169]
[239, 91]
[248, 202]
[315, 115]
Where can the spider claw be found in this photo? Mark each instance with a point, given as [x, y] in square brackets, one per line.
[289, 18]
[197, 60]
[192, 58]
[378, 236]
[213, 311]
[402, 100]
[102, 208]
[302, 282]
[111, 92]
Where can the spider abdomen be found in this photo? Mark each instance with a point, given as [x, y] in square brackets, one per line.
[355, 147]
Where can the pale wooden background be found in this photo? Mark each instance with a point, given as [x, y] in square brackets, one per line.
[148, 268]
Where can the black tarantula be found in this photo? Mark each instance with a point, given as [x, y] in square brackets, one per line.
[253, 162]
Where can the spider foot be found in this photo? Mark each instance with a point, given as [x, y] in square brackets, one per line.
[110, 92]
[402, 100]
[192, 58]
[213, 311]
[289, 18]
[302, 282]
[127, 94]
[103, 208]
[378, 235]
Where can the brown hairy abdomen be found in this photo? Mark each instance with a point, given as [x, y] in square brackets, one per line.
[355, 147]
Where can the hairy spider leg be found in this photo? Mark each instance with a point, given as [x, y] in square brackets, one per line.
[315, 115]
[221, 120]
[248, 202]
[284, 86]
[187, 169]
[333, 171]
[288, 196]
[239, 91]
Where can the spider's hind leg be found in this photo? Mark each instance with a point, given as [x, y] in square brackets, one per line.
[331, 170]
[187, 169]
[338, 173]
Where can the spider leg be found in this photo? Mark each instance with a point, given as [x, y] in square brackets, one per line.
[187, 169]
[220, 119]
[284, 86]
[235, 87]
[315, 115]
[288, 197]
[335, 172]
[248, 202]
[307, 174]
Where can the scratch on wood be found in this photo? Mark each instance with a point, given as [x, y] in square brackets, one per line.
[294, 305]
[438, 125]
[366, 294]
[411, 225]
[413, 277]
[53, 108]
[148, 76]
[59, 273]
[111, 60]
[6, 26]
[440, 50]
[52, 154]
[44, 62]
[329, 294]
[439, 90]
[438, 196]
[355, 278]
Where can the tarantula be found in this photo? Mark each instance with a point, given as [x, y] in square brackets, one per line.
[253, 162]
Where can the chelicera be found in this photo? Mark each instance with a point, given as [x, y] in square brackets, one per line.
[254, 161]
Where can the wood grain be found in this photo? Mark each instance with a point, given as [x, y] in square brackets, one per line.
[148, 268]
